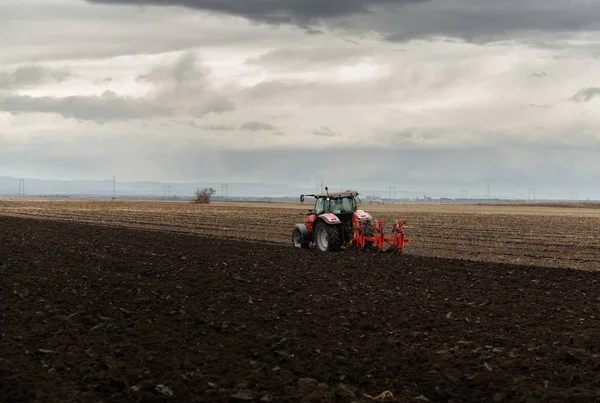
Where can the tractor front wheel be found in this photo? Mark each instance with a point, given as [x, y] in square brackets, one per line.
[327, 237]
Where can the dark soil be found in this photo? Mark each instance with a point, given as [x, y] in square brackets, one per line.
[91, 313]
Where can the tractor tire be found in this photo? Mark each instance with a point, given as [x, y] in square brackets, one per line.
[297, 239]
[328, 237]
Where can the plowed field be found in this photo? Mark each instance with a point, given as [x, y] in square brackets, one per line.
[132, 301]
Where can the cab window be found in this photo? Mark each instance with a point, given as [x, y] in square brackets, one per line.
[344, 205]
[348, 204]
[320, 206]
[337, 206]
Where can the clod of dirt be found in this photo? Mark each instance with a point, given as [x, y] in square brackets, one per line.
[243, 395]
[307, 385]
[266, 397]
[165, 390]
[344, 394]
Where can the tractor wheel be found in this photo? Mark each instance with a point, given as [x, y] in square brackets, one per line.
[297, 239]
[327, 237]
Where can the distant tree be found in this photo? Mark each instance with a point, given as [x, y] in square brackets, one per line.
[202, 196]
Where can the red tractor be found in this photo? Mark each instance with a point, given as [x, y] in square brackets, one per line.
[336, 221]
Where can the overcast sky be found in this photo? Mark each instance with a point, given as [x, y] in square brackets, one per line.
[428, 96]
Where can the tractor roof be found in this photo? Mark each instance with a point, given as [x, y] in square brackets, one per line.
[347, 193]
[335, 195]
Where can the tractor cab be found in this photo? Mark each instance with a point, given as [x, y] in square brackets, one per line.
[341, 204]
[335, 205]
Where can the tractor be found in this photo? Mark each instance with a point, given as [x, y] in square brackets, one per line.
[336, 222]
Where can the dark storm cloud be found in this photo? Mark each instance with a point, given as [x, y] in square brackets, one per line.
[400, 20]
[28, 76]
[298, 12]
[255, 126]
[586, 94]
[483, 21]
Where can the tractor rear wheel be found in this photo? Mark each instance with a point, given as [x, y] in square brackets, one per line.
[327, 237]
[297, 239]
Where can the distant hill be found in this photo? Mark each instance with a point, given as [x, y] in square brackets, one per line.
[9, 186]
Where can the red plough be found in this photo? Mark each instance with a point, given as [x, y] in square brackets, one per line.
[397, 241]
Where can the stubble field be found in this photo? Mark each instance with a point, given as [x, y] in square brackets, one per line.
[526, 235]
[169, 301]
